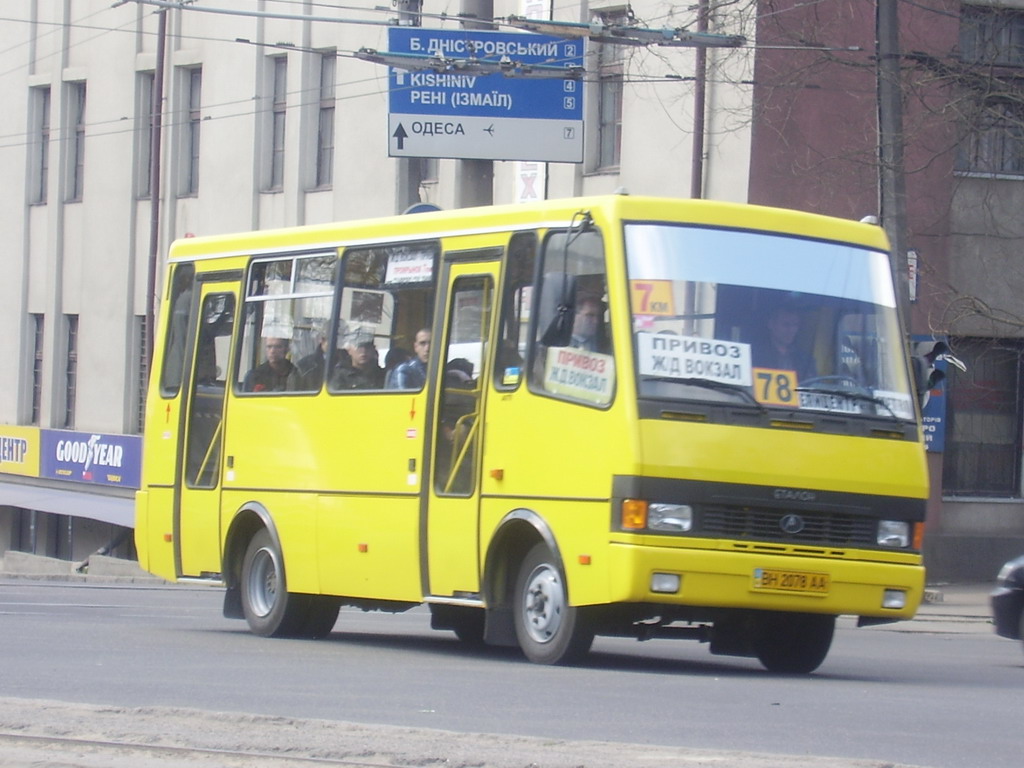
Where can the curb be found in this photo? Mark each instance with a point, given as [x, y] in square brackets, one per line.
[95, 568]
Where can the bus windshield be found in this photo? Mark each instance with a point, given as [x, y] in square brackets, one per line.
[777, 321]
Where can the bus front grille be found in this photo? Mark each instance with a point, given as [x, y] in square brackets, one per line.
[821, 528]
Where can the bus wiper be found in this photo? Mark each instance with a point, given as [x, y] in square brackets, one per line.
[853, 394]
[718, 386]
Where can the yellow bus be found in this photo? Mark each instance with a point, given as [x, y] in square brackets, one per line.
[615, 415]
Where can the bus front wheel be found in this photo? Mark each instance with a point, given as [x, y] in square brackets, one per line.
[548, 629]
[268, 607]
[794, 643]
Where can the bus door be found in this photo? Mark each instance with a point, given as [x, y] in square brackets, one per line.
[461, 375]
[197, 513]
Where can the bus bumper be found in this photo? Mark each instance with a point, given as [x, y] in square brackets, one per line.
[765, 581]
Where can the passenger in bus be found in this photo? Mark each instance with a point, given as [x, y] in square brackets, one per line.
[458, 373]
[363, 371]
[587, 328]
[412, 374]
[780, 349]
[394, 358]
[308, 374]
[273, 374]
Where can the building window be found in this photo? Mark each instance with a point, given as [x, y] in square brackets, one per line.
[993, 140]
[71, 371]
[278, 110]
[992, 35]
[994, 143]
[38, 326]
[325, 122]
[144, 117]
[193, 88]
[76, 129]
[610, 76]
[983, 438]
[142, 380]
[40, 168]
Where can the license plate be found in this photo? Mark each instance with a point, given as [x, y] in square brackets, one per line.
[791, 581]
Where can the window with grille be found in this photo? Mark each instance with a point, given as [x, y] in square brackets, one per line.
[71, 371]
[145, 113]
[992, 35]
[610, 79]
[325, 123]
[278, 110]
[76, 129]
[38, 326]
[993, 141]
[142, 379]
[40, 168]
[190, 155]
[983, 438]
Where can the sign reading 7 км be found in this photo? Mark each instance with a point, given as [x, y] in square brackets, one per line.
[467, 115]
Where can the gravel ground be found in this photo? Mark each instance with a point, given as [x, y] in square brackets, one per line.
[50, 734]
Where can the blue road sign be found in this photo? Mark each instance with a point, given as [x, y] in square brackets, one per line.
[464, 114]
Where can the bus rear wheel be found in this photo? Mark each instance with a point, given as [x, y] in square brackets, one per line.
[549, 630]
[269, 608]
[793, 643]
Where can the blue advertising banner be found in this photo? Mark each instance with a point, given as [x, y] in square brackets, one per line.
[933, 415]
[88, 457]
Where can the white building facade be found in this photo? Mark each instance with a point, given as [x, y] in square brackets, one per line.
[268, 118]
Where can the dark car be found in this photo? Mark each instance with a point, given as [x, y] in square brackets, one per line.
[1008, 600]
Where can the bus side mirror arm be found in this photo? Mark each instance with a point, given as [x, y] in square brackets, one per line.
[926, 375]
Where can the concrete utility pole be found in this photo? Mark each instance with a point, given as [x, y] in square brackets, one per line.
[891, 182]
[699, 105]
[475, 182]
[155, 148]
[410, 169]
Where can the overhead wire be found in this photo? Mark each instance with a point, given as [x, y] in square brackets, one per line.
[136, 26]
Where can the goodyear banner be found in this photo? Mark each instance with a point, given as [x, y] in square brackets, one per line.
[89, 457]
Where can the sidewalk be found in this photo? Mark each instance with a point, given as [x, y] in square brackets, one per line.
[957, 599]
[956, 608]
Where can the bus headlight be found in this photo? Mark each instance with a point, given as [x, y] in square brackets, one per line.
[893, 533]
[670, 517]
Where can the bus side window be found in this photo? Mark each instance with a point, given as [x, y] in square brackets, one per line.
[287, 318]
[202, 459]
[386, 299]
[459, 417]
[571, 355]
[177, 330]
[510, 357]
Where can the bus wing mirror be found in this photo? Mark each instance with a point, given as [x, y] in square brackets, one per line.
[926, 375]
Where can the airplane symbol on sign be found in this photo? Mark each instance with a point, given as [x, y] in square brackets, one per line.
[490, 129]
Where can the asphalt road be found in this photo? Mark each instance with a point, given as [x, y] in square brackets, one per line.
[941, 691]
